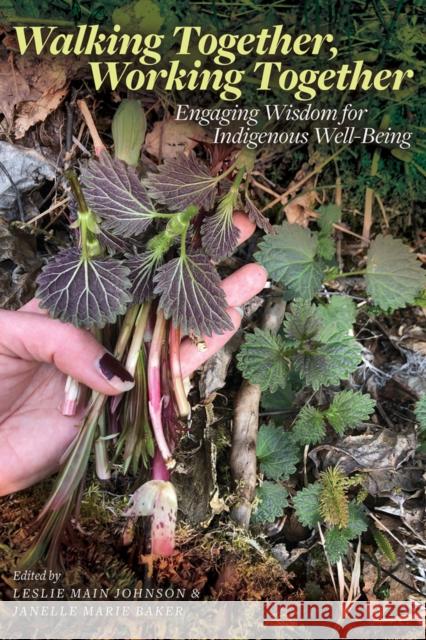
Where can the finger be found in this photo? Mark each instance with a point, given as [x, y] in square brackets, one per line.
[191, 358]
[33, 306]
[239, 288]
[244, 284]
[244, 225]
[75, 352]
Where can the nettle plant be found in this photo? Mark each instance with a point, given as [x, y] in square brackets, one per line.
[146, 250]
[316, 348]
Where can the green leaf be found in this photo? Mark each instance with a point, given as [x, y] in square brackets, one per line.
[336, 544]
[334, 503]
[289, 257]
[383, 544]
[329, 215]
[272, 500]
[420, 411]
[309, 427]
[394, 275]
[328, 364]
[303, 322]
[357, 521]
[349, 409]
[306, 504]
[280, 400]
[262, 360]
[276, 452]
[339, 313]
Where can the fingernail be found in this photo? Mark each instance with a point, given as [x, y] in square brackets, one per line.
[240, 311]
[118, 377]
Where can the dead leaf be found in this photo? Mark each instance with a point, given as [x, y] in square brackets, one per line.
[36, 111]
[28, 169]
[13, 89]
[370, 577]
[19, 266]
[32, 86]
[300, 210]
[170, 137]
[49, 84]
[380, 456]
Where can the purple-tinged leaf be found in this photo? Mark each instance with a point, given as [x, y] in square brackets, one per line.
[257, 216]
[142, 268]
[191, 294]
[183, 181]
[88, 293]
[220, 235]
[117, 244]
[114, 191]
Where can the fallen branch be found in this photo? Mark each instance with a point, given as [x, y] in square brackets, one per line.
[245, 427]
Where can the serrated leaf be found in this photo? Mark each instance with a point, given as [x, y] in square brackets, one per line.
[420, 411]
[190, 294]
[183, 181]
[142, 268]
[282, 399]
[394, 275]
[303, 322]
[338, 314]
[257, 216]
[220, 235]
[88, 293]
[384, 545]
[349, 409]
[271, 502]
[328, 364]
[262, 360]
[309, 427]
[357, 521]
[114, 191]
[116, 244]
[306, 505]
[337, 539]
[334, 504]
[336, 544]
[289, 257]
[276, 452]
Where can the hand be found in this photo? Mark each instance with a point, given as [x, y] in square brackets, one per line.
[36, 355]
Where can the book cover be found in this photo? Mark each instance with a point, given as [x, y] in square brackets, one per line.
[212, 322]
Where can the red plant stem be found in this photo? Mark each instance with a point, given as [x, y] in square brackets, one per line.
[90, 123]
[183, 405]
[155, 399]
[71, 397]
[159, 469]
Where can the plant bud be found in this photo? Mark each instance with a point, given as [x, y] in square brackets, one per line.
[128, 131]
[246, 158]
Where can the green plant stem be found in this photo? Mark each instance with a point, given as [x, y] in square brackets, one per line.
[63, 496]
[350, 274]
[137, 339]
[369, 192]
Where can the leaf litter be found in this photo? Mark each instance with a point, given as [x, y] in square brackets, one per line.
[385, 456]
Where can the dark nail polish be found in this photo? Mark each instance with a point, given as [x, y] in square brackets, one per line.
[111, 368]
